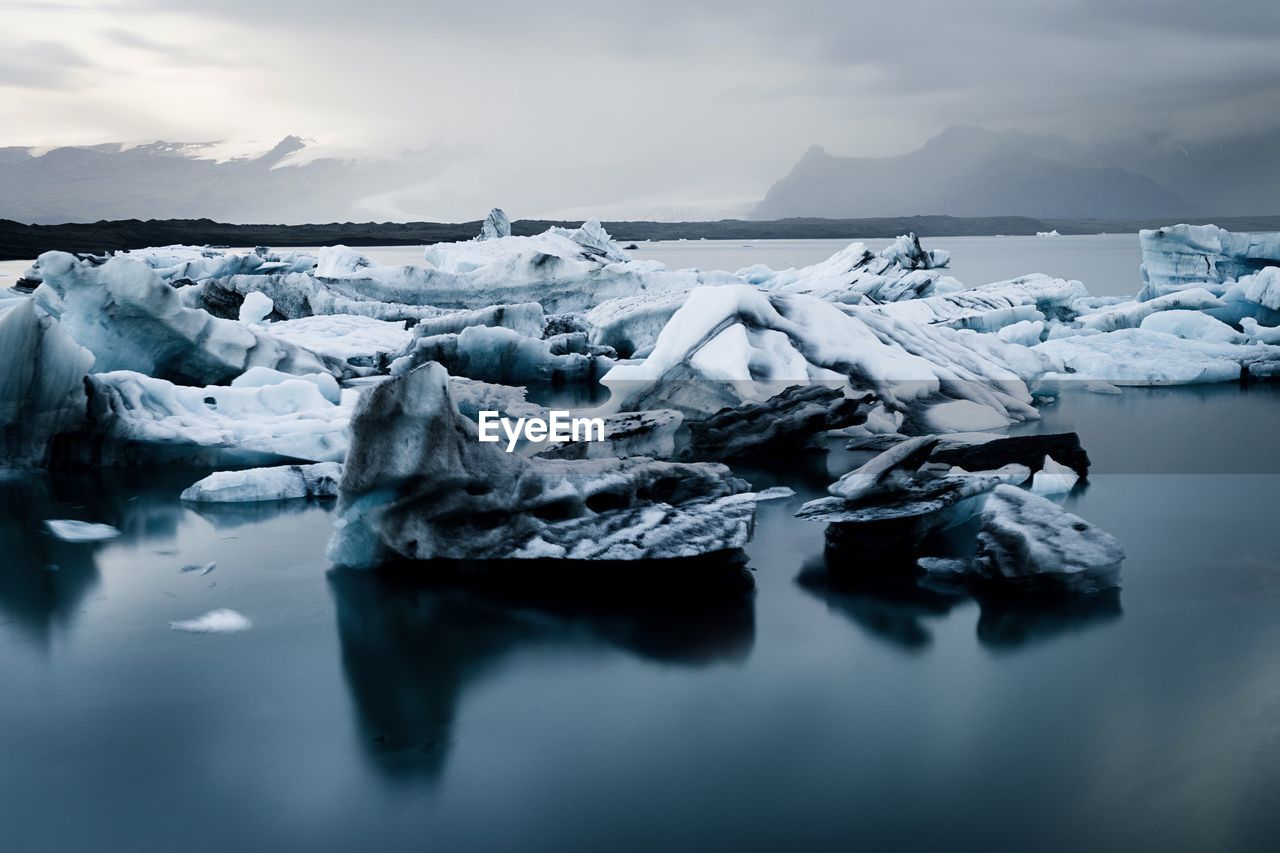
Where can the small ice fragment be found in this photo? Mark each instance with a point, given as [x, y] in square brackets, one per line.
[775, 493]
[70, 530]
[256, 307]
[220, 621]
[1054, 478]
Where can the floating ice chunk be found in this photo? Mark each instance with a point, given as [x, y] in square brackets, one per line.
[1028, 333]
[1192, 325]
[1053, 478]
[149, 329]
[256, 307]
[561, 269]
[184, 264]
[1261, 288]
[1143, 357]
[418, 484]
[1030, 542]
[902, 270]
[1129, 315]
[260, 377]
[1260, 334]
[631, 324]
[1053, 233]
[737, 344]
[220, 621]
[41, 384]
[70, 530]
[1201, 255]
[286, 482]
[140, 420]
[352, 338]
[993, 306]
[494, 354]
[524, 318]
[496, 225]
[885, 472]
[892, 523]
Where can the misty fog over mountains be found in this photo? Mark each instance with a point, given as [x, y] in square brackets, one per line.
[963, 171]
[969, 171]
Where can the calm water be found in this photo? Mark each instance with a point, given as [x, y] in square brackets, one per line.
[827, 709]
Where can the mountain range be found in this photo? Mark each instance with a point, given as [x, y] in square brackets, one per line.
[961, 172]
[290, 182]
[970, 171]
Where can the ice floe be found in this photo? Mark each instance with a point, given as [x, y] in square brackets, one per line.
[285, 482]
[70, 530]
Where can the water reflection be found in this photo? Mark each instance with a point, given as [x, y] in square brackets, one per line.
[894, 603]
[412, 646]
[42, 580]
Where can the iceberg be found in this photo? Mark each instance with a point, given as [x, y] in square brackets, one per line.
[285, 482]
[149, 330]
[561, 269]
[42, 385]
[993, 306]
[1259, 334]
[136, 419]
[731, 345]
[1143, 357]
[180, 264]
[1193, 325]
[357, 340]
[418, 485]
[902, 270]
[1053, 478]
[524, 318]
[496, 225]
[1030, 543]
[498, 355]
[899, 499]
[1129, 315]
[1179, 256]
[255, 307]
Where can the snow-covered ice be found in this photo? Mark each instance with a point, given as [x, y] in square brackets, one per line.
[150, 331]
[137, 420]
[285, 482]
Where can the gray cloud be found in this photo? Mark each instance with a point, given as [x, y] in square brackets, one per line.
[570, 105]
[40, 65]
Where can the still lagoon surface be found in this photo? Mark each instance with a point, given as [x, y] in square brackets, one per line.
[830, 707]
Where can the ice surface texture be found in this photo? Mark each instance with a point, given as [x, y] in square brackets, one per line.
[418, 485]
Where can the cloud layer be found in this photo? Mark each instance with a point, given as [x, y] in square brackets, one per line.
[629, 106]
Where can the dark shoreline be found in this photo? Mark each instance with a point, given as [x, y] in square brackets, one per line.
[19, 241]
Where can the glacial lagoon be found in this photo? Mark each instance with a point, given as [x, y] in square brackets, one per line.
[827, 707]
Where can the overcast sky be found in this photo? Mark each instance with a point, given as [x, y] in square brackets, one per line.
[556, 107]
